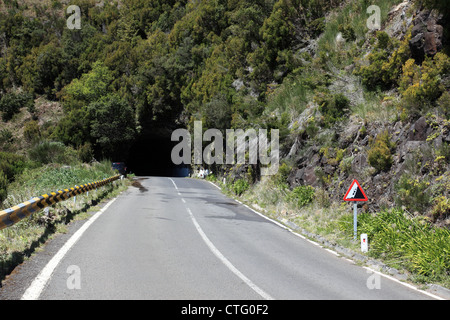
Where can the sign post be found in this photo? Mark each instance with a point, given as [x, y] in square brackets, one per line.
[355, 193]
[355, 219]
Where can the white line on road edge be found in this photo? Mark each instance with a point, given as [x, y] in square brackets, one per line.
[334, 252]
[224, 260]
[404, 283]
[37, 286]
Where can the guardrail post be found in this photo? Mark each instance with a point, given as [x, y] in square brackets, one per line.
[75, 198]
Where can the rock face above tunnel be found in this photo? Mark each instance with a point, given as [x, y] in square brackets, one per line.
[426, 35]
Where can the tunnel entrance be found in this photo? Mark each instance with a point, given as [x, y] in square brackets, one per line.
[151, 156]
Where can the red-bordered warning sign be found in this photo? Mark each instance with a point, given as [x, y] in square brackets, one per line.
[355, 192]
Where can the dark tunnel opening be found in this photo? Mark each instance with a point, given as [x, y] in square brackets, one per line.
[151, 156]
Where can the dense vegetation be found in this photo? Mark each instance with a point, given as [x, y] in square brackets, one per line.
[303, 66]
[158, 60]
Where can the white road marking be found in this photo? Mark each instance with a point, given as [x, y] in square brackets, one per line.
[226, 262]
[332, 251]
[404, 283]
[37, 286]
[174, 184]
[223, 259]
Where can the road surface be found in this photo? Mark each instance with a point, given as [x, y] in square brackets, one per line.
[180, 238]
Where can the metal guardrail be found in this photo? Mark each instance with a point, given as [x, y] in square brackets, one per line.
[13, 215]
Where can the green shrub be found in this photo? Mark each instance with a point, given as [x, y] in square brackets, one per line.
[322, 197]
[31, 131]
[301, 195]
[3, 187]
[322, 177]
[113, 125]
[85, 152]
[317, 26]
[412, 193]
[346, 164]
[332, 107]
[385, 62]
[11, 103]
[280, 179]
[240, 186]
[379, 154]
[6, 137]
[53, 152]
[372, 75]
[348, 33]
[422, 85]
[311, 128]
[333, 155]
[444, 103]
[441, 208]
[12, 164]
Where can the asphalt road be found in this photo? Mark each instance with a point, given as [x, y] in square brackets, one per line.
[178, 238]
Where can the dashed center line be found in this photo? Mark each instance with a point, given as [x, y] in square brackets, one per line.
[220, 256]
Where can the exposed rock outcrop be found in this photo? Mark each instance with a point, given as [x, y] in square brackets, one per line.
[426, 35]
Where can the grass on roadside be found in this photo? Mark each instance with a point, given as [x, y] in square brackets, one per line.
[397, 238]
[19, 241]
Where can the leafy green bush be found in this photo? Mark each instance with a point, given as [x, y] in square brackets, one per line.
[53, 152]
[348, 33]
[420, 85]
[40, 69]
[31, 131]
[85, 152]
[346, 164]
[240, 186]
[280, 178]
[322, 197]
[6, 138]
[11, 103]
[379, 154]
[444, 103]
[90, 87]
[332, 106]
[74, 128]
[385, 62]
[3, 187]
[441, 208]
[412, 193]
[12, 164]
[301, 195]
[317, 26]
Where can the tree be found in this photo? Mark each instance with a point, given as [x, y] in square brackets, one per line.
[74, 128]
[91, 86]
[41, 68]
[113, 126]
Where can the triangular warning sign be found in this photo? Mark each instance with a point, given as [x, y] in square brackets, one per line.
[355, 193]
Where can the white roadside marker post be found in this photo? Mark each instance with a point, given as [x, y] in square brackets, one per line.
[364, 243]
